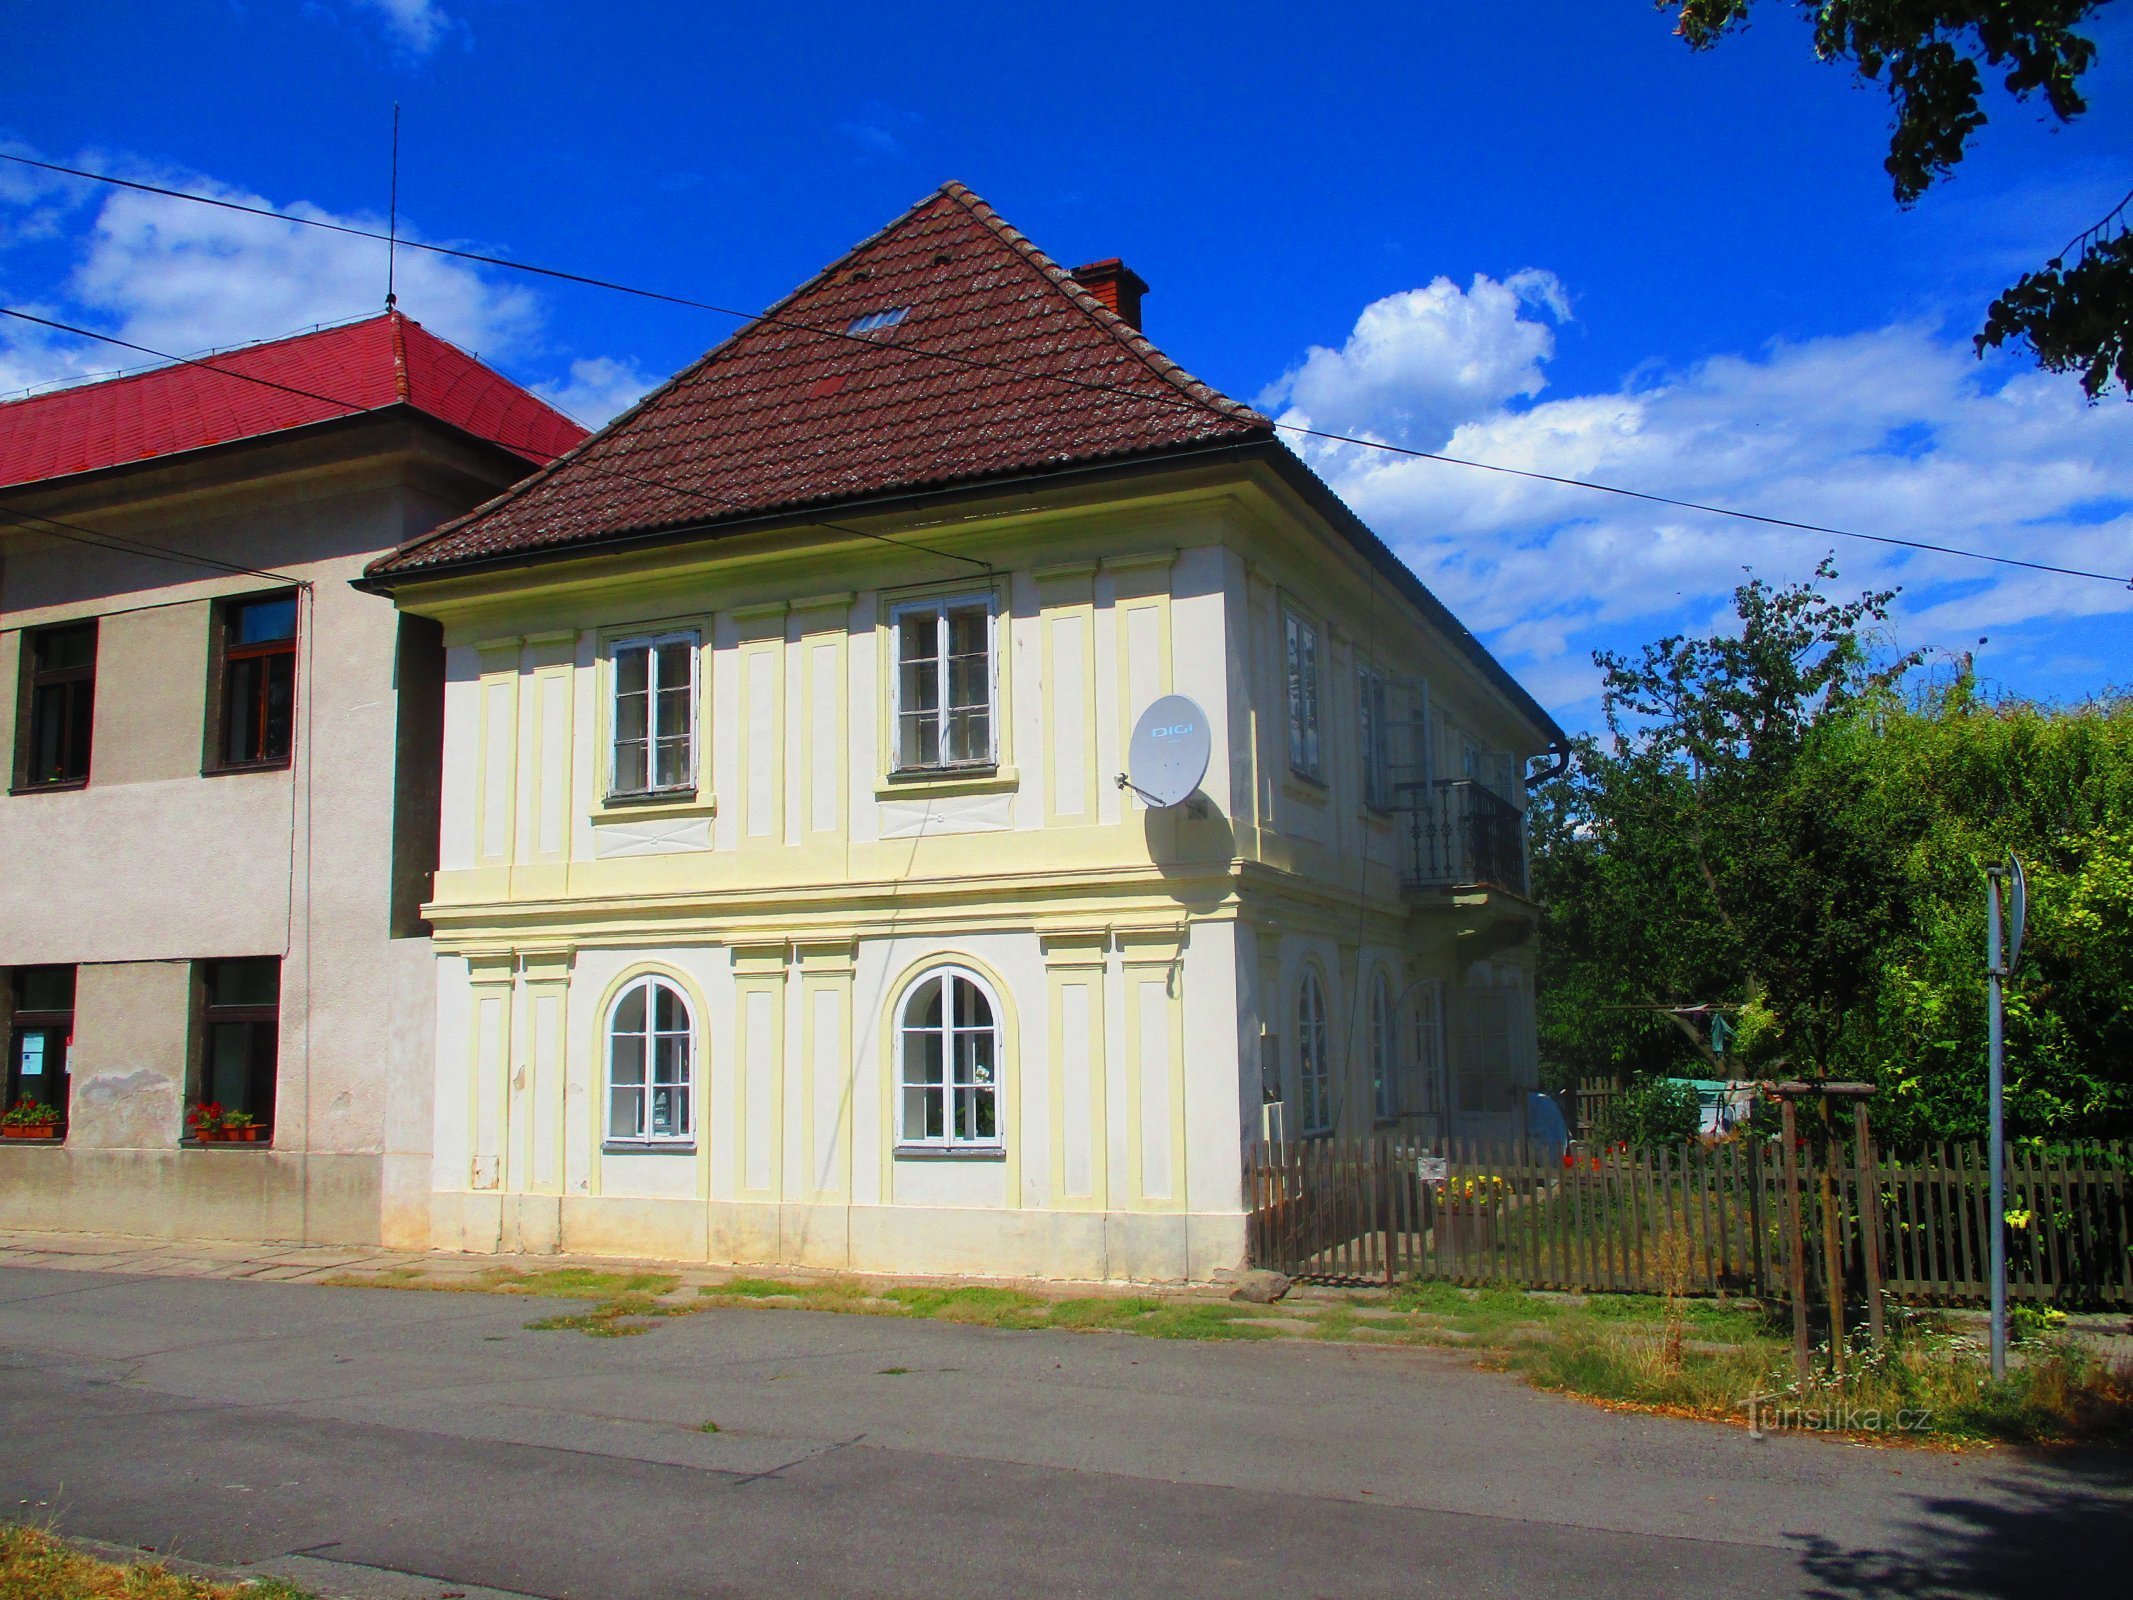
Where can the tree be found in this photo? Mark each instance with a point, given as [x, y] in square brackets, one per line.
[1964, 781]
[1682, 863]
[1782, 825]
[2076, 312]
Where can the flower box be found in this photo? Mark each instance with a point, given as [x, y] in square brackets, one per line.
[230, 1135]
[34, 1130]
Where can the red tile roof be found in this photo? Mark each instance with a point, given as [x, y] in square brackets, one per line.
[793, 412]
[382, 361]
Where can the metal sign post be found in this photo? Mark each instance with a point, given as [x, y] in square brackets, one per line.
[1996, 1134]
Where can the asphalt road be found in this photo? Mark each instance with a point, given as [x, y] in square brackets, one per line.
[355, 1436]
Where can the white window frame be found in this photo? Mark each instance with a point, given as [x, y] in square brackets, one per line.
[940, 606]
[1314, 1058]
[1301, 663]
[690, 643]
[949, 1032]
[1384, 1050]
[1373, 694]
[684, 1133]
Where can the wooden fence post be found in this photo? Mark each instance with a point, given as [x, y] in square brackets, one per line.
[1869, 1223]
[1795, 1242]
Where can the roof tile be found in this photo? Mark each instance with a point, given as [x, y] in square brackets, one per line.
[265, 388]
[792, 412]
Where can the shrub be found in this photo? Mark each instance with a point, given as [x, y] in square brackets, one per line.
[1652, 1111]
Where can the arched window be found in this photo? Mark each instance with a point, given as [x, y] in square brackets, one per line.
[1314, 1064]
[1383, 1095]
[949, 1062]
[649, 1060]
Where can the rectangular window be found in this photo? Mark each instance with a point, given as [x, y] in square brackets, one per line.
[1483, 1051]
[943, 684]
[255, 700]
[1303, 696]
[59, 697]
[1422, 1075]
[1377, 740]
[40, 1035]
[239, 1037]
[654, 716]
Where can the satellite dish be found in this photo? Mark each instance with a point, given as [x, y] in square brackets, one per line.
[1168, 755]
[2017, 912]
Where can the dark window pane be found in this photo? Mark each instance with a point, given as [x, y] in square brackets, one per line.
[258, 705]
[241, 710]
[631, 768]
[60, 668]
[63, 649]
[670, 1061]
[244, 983]
[672, 764]
[280, 730]
[60, 727]
[226, 1073]
[263, 621]
[44, 988]
[627, 1059]
[916, 636]
[674, 667]
[924, 1008]
[668, 1013]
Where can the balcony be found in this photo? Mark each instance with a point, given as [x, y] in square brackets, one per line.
[1460, 835]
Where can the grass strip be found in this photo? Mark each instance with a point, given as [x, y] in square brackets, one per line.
[36, 1565]
[1673, 1355]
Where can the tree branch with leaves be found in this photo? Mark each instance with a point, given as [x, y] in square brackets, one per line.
[1933, 56]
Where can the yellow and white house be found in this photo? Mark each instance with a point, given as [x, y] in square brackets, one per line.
[789, 908]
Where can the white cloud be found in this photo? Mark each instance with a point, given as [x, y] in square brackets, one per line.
[179, 277]
[418, 26]
[599, 389]
[1418, 363]
[1897, 431]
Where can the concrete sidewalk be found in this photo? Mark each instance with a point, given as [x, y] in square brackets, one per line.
[295, 1263]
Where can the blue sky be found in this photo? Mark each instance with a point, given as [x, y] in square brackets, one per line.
[1545, 235]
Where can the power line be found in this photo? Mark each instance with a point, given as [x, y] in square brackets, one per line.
[1170, 395]
[353, 409]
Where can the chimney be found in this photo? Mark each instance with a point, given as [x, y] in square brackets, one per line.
[1117, 285]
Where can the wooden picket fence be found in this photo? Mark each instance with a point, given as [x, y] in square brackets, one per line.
[1697, 1219]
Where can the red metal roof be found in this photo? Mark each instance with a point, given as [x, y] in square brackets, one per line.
[794, 412]
[381, 361]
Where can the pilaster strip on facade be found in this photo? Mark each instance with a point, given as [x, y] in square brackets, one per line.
[759, 973]
[1075, 961]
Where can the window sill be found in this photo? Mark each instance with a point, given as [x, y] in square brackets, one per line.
[64, 786]
[949, 780]
[648, 1147]
[673, 803]
[951, 1152]
[279, 764]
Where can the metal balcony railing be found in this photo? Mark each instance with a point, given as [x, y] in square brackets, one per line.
[1460, 833]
